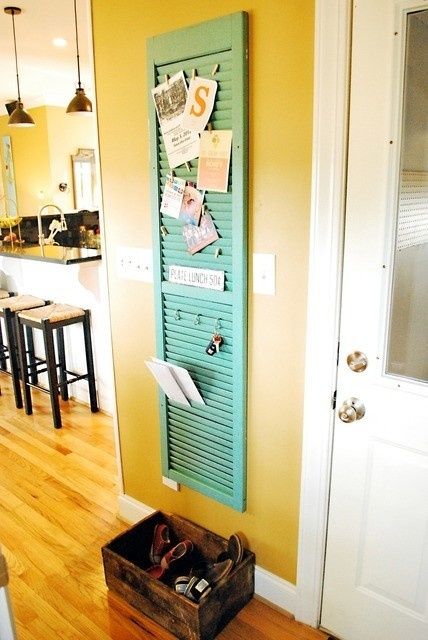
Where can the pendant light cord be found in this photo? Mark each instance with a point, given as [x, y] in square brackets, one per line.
[16, 55]
[77, 46]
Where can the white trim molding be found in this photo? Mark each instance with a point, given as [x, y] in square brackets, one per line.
[268, 586]
[332, 48]
[275, 590]
[131, 510]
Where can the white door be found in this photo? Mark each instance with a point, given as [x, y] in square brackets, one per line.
[376, 573]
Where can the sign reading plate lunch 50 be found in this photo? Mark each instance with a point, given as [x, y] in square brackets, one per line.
[205, 278]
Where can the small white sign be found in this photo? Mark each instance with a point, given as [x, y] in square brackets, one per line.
[205, 278]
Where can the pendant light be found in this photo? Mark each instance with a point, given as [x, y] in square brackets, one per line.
[19, 117]
[80, 104]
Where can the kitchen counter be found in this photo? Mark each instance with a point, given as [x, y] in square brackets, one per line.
[51, 253]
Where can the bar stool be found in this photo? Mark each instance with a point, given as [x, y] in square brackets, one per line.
[3, 347]
[49, 319]
[9, 307]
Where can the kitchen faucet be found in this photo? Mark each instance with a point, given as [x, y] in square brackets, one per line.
[54, 227]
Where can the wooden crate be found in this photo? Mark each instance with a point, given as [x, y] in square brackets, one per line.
[127, 556]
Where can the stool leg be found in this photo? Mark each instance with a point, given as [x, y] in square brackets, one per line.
[3, 366]
[20, 339]
[13, 356]
[51, 370]
[90, 362]
[31, 355]
[63, 386]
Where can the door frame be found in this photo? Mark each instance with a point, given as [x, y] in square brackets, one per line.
[330, 137]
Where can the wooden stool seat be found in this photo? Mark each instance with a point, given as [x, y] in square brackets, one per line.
[9, 306]
[52, 312]
[19, 303]
[51, 320]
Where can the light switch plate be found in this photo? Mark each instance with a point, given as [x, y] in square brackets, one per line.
[264, 273]
[135, 263]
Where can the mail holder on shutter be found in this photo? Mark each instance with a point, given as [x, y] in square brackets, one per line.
[204, 446]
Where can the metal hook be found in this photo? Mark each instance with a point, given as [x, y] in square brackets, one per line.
[217, 325]
[197, 319]
[177, 314]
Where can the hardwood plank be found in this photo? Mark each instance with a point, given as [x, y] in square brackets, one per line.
[58, 503]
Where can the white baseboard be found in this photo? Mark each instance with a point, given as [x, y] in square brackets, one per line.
[131, 510]
[275, 590]
[268, 586]
[79, 391]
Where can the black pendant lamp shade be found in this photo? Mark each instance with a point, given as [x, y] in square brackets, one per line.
[80, 104]
[19, 117]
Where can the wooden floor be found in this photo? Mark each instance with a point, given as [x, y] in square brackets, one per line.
[58, 501]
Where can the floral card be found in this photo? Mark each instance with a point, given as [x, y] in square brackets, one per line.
[191, 206]
[199, 237]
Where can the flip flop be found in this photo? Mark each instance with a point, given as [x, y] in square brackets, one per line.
[218, 571]
[197, 589]
[203, 577]
[235, 549]
[176, 553]
[160, 543]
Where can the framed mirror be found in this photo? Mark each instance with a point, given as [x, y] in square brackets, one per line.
[84, 179]
[7, 185]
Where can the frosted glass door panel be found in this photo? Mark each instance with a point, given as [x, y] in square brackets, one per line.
[408, 330]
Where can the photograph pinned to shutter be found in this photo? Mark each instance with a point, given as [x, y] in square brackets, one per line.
[201, 326]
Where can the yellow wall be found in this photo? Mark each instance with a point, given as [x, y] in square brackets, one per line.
[42, 156]
[30, 159]
[281, 68]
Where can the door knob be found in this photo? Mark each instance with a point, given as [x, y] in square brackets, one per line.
[357, 361]
[352, 409]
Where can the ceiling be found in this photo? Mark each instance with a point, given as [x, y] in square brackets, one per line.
[47, 74]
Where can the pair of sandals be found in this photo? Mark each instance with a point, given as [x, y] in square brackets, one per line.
[204, 575]
[159, 556]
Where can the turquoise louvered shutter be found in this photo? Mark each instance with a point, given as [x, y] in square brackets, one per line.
[204, 447]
